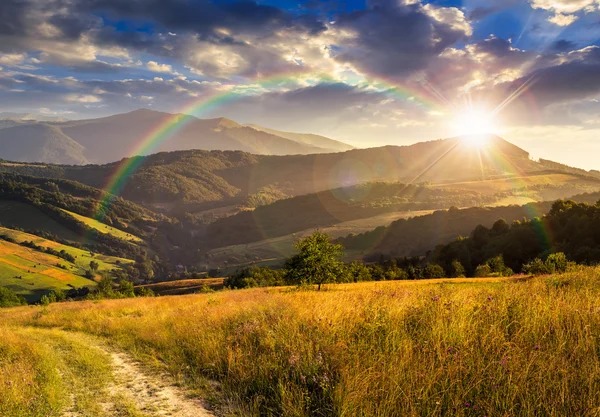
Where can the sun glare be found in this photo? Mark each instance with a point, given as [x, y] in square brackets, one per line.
[474, 125]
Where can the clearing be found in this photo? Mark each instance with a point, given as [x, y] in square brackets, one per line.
[104, 228]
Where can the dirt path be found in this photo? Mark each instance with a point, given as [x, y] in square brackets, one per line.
[152, 395]
[135, 392]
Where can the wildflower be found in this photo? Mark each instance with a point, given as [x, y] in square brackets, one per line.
[490, 298]
[467, 405]
[536, 347]
[450, 349]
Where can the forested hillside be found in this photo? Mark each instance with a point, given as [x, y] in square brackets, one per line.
[416, 236]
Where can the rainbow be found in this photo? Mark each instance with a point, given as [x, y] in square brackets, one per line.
[427, 97]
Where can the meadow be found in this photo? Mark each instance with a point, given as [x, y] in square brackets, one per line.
[467, 347]
[32, 273]
[103, 228]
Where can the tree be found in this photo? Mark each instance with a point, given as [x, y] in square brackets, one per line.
[318, 261]
[433, 271]
[105, 286]
[94, 266]
[457, 270]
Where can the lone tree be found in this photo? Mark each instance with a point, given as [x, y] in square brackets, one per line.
[317, 262]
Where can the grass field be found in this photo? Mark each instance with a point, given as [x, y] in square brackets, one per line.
[83, 257]
[103, 228]
[471, 347]
[32, 274]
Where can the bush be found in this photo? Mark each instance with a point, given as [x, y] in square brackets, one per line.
[9, 298]
[255, 276]
[457, 270]
[433, 271]
[483, 271]
[555, 263]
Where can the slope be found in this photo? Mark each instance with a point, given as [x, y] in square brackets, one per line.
[307, 139]
[32, 273]
[39, 143]
[112, 138]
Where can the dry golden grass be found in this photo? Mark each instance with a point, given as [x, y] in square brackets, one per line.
[525, 347]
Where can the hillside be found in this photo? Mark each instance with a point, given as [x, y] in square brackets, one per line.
[112, 138]
[197, 180]
[484, 347]
[32, 266]
[40, 143]
[307, 139]
[415, 236]
[29, 117]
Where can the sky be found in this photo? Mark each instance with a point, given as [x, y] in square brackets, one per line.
[366, 72]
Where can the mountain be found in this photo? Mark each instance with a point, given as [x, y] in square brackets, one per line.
[307, 139]
[196, 180]
[39, 143]
[31, 117]
[112, 138]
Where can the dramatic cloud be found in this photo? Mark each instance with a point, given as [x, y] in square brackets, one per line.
[395, 39]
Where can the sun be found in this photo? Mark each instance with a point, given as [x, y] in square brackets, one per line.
[475, 125]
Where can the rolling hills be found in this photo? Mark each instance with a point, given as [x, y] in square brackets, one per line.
[111, 138]
[235, 207]
[195, 180]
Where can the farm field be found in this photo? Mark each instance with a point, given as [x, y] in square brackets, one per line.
[82, 257]
[104, 228]
[32, 274]
[470, 347]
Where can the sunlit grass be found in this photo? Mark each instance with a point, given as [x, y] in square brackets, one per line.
[470, 348]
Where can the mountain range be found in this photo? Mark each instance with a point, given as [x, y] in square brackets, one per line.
[112, 138]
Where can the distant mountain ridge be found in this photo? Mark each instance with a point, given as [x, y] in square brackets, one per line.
[31, 117]
[223, 178]
[112, 138]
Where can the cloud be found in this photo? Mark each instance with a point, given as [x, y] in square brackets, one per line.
[156, 67]
[560, 19]
[85, 99]
[12, 59]
[396, 39]
[564, 11]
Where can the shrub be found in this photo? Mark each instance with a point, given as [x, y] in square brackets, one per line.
[483, 271]
[9, 298]
[433, 271]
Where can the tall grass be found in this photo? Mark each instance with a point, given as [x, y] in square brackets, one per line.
[29, 379]
[506, 348]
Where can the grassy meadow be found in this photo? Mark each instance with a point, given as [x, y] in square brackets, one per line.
[466, 347]
[104, 228]
[32, 273]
